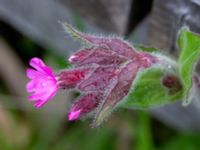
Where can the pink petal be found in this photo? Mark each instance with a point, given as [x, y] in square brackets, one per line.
[37, 63]
[33, 73]
[74, 115]
[43, 84]
[43, 94]
[40, 66]
[36, 96]
[40, 103]
[48, 71]
[30, 86]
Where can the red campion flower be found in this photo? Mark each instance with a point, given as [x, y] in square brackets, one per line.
[102, 73]
[43, 84]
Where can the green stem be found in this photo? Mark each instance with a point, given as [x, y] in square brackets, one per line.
[144, 140]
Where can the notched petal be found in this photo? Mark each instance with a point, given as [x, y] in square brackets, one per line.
[37, 63]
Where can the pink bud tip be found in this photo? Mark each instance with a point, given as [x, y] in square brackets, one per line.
[71, 58]
[74, 115]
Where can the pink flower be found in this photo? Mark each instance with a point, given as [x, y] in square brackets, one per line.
[103, 73]
[43, 84]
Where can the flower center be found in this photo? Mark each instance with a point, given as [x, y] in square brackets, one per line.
[43, 84]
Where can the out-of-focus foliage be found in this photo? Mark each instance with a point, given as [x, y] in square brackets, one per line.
[189, 44]
[149, 82]
[188, 141]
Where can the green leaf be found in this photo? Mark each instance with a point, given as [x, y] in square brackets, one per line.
[189, 44]
[148, 91]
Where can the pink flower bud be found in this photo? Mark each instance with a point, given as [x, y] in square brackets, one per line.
[116, 66]
[99, 55]
[83, 105]
[70, 78]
